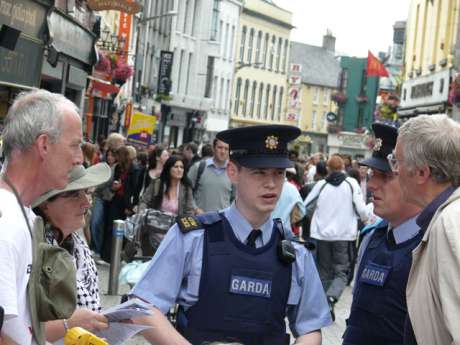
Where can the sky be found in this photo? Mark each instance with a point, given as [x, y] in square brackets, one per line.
[358, 25]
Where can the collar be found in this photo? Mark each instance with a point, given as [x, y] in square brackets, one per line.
[210, 162]
[405, 231]
[428, 212]
[241, 226]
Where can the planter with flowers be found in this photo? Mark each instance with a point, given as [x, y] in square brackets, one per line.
[114, 67]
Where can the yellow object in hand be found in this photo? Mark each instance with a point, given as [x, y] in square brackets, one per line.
[80, 336]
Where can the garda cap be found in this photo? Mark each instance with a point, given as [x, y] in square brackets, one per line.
[385, 142]
[260, 146]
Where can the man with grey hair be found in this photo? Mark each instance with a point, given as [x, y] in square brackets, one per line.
[426, 158]
[41, 143]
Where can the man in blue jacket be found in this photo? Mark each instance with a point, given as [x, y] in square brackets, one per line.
[379, 308]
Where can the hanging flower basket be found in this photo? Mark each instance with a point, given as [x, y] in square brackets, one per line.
[339, 97]
[104, 64]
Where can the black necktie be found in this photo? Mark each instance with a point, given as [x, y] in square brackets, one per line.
[252, 237]
[391, 238]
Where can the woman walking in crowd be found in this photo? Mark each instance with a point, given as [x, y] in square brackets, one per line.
[157, 159]
[63, 212]
[123, 186]
[171, 193]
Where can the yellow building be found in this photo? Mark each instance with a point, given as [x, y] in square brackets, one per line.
[313, 75]
[431, 56]
[260, 83]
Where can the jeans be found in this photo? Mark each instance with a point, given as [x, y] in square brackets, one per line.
[97, 224]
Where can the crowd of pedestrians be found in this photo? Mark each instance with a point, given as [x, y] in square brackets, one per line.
[260, 233]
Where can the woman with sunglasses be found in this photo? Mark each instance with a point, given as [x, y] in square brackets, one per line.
[63, 212]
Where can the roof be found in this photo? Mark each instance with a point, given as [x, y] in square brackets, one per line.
[319, 65]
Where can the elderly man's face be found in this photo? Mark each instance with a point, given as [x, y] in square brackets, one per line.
[405, 175]
[66, 152]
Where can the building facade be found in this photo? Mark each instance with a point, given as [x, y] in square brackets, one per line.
[262, 55]
[319, 71]
[432, 55]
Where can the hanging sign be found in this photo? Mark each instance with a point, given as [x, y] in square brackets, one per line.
[130, 7]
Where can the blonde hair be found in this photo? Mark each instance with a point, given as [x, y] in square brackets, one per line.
[132, 152]
[115, 141]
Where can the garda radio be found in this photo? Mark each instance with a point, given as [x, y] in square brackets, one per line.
[250, 286]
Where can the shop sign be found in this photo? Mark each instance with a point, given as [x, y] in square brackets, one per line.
[141, 128]
[23, 65]
[124, 33]
[426, 90]
[69, 38]
[23, 15]
[126, 6]
[164, 73]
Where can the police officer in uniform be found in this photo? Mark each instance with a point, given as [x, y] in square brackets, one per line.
[237, 274]
[379, 304]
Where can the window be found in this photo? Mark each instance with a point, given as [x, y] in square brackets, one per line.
[267, 101]
[265, 55]
[258, 46]
[275, 89]
[224, 42]
[245, 97]
[184, 27]
[315, 95]
[227, 95]
[323, 122]
[221, 93]
[190, 57]
[230, 44]
[215, 20]
[286, 45]
[243, 39]
[237, 96]
[252, 102]
[313, 120]
[250, 44]
[221, 36]
[280, 103]
[343, 81]
[260, 99]
[272, 53]
[326, 96]
[278, 54]
[179, 76]
[209, 76]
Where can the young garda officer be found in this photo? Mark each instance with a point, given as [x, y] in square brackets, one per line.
[230, 271]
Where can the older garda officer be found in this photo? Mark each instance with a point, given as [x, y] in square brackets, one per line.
[236, 274]
[379, 307]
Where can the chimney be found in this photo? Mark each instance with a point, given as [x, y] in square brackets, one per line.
[329, 41]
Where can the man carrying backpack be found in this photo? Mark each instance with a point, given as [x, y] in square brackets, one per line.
[212, 189]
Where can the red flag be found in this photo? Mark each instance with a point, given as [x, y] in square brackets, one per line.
[374, 67]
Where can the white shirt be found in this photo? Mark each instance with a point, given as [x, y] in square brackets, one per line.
[15, 263]
[334, 218]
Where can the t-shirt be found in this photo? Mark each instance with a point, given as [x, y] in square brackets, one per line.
[16, 264]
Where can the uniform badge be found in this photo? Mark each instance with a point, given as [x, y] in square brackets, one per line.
[378, 144]
[187, 224]
[271, 142]
[250, 286]
[374, 274]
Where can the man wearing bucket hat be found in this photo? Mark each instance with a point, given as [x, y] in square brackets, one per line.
[63, 211]
[235, 273]
[379, 309]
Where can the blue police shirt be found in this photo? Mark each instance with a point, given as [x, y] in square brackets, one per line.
[173, 275]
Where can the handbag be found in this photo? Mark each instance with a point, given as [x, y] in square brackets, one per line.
[155, 225]
[311, 206]
[52, 286]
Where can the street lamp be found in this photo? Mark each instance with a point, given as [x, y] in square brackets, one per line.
[140, 22]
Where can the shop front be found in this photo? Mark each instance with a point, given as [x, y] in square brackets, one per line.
[23, 24]
[70, 57]
[350, 143]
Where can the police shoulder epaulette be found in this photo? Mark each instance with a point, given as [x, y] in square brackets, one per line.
[187, 224]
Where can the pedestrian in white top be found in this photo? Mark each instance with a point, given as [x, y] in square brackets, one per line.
[339, 203]
[41, 143]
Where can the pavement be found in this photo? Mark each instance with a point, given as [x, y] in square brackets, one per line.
[332, 335]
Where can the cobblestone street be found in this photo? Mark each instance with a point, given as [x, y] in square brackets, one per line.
[331, 335]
